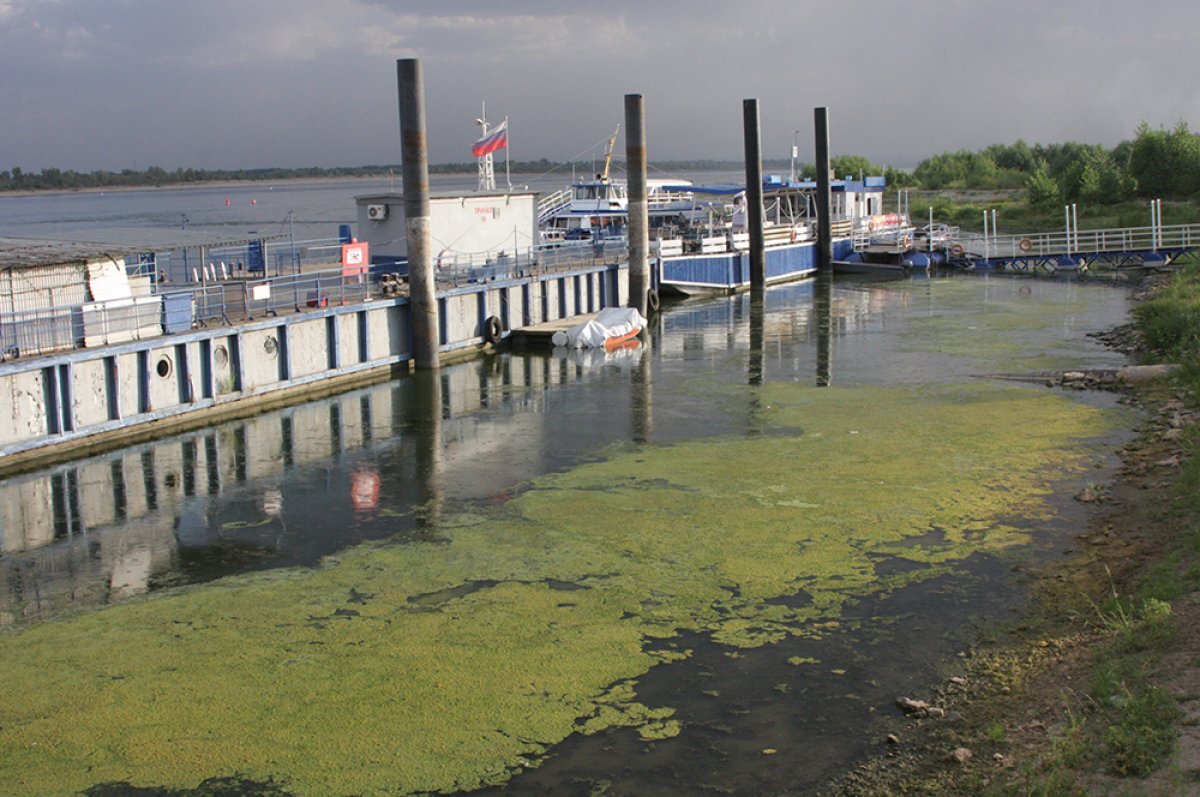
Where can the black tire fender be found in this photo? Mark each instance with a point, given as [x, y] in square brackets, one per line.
[652, 300]
[492, 330]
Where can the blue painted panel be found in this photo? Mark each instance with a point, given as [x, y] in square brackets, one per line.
[785, 261]
[740, 269]
[700, 270]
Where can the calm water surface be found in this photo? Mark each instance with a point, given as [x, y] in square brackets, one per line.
[400, 464]
[288, 488]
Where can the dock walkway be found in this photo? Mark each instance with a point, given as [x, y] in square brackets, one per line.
[541, 334]
[1078, 250]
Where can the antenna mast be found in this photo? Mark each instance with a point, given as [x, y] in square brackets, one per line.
[487, 173]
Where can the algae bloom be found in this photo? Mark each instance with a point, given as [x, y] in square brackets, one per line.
[403, 668]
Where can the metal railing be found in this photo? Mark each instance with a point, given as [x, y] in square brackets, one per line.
[264, 258]
[30, 332]
[550, 204]
[1074, 242]
[230, 299]
[299, 292]
[465, 269]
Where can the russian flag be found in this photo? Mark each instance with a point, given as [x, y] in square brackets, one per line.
[497, 139]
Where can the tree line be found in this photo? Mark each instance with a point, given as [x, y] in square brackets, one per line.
[1154, 163]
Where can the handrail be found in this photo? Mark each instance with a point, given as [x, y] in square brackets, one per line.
[1060, 242]
[551, 204]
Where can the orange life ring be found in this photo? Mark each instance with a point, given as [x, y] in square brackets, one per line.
[957, 250]
[795, 235]
[1026, 245]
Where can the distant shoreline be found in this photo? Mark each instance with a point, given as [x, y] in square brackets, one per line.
[124, 189]
[436, 172]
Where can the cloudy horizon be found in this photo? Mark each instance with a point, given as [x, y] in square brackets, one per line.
[219, 84]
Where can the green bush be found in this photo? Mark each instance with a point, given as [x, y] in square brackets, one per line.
[1170, 321]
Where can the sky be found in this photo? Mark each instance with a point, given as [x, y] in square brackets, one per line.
[130, 84]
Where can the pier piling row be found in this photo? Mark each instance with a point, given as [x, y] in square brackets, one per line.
[824, 229]
[754, 195]
[415, 159]
[639, 210]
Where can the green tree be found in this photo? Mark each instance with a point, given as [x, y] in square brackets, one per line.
[1041, 190]
[850, 167]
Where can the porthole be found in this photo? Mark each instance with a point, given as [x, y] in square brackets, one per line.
[271, 346]
[163, 368]
[221, 356]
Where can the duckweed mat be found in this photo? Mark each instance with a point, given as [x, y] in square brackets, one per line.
[446, 665]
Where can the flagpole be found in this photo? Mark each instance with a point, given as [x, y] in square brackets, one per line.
[507, 173]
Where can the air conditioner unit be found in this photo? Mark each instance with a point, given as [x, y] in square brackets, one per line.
[377, 212]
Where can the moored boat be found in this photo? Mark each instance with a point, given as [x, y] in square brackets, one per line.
[713, 255]
[611, 328]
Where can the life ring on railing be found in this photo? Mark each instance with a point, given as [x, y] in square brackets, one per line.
[1026, 245]
[492, 330]
[957, 250]
[652, 300]
[795, 235]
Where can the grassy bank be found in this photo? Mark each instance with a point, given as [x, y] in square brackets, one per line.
[1097, 689]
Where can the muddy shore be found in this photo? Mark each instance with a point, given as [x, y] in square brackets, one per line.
[1016, 715]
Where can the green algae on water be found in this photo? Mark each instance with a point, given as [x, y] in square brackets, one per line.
[449, 665]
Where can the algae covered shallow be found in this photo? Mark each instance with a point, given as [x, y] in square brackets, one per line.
[455, 662]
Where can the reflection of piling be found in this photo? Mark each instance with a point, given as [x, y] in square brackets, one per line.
[639, 233]
[422, 301]
[754, 195]
[823, 308]
[642, 400]
[427, 412]
[824, 222]
[758, 334]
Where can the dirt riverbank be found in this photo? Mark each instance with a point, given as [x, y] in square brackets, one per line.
[1096, 690]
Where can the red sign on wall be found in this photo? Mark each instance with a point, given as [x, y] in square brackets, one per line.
[355, 259]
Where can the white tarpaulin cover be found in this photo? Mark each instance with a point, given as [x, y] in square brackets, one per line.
[611, 322]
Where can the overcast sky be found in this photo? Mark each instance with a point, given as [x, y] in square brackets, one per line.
[113, 84]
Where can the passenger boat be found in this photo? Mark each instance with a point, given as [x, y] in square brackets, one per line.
[712, 256]
[599, 208]
[698, 234]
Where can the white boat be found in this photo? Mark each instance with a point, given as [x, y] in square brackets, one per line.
[610, 329]
[599, 208]
[712, 256]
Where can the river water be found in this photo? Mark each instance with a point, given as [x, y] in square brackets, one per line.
[707, 564]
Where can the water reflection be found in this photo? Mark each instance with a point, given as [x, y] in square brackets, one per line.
[823, 309]
[291, 486]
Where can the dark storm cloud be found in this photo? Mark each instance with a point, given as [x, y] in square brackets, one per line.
[300, 82]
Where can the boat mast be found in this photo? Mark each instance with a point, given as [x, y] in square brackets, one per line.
[487, 172]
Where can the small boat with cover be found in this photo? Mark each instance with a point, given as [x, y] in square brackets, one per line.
[611, 328]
